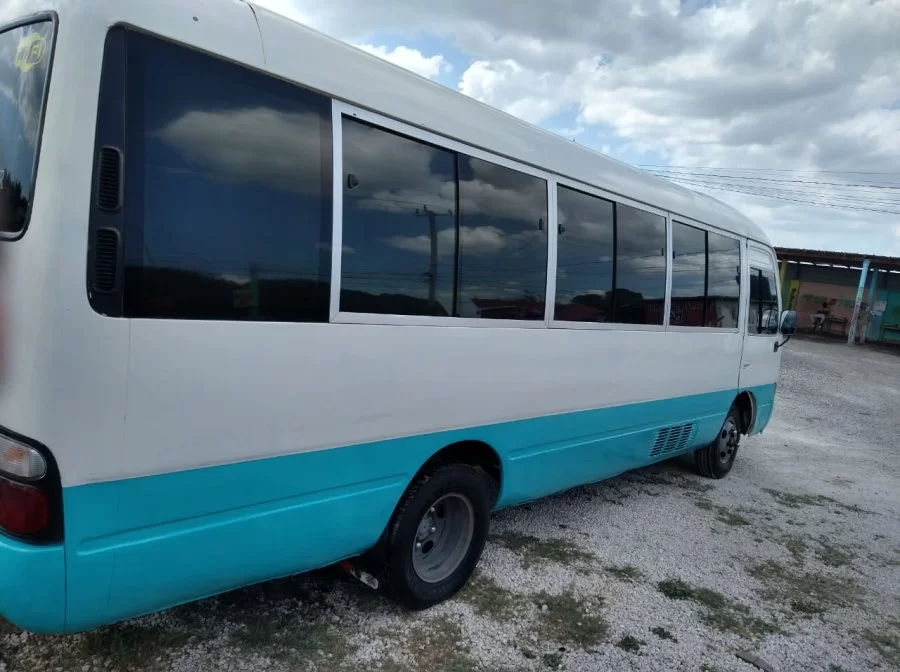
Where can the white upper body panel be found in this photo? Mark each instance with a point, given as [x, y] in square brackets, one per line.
[116, 398]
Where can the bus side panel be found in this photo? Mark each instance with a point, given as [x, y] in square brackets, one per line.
[143, 544]
[627, 440]
[148, 543]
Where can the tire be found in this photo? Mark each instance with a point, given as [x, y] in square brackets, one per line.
[455, 500]
[716, 459]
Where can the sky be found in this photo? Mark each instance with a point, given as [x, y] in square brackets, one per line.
[794, 98]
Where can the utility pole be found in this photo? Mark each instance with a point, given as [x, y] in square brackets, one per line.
[432, 233]
[859, 297]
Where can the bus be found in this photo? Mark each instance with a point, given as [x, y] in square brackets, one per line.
[271, 304]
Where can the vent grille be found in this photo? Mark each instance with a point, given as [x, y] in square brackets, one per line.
[673, 439]
[109, 189]
[106, 260]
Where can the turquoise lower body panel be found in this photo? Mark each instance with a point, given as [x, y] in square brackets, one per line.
[143, 544]
[764, 398]
[33, 585]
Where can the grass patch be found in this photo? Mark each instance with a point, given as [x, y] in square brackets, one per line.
[535, 551]
[489, 599]
[796, 546]
[631, 644]
[284, 637]
[708, 668]
[662, 633]
[552, 661]
[833, 556]
[797, 500]
[719, 612]
[886, 643]
[694, 486]
[130, 645]
[624, 572]
[723, 514]
[804, 592]
[800, 500]
[803, 606]
[439, 644]
[567, 620]
[731, 518]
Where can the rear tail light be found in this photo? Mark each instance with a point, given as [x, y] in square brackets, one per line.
[30, 490]
[24, 509]
[20, 460]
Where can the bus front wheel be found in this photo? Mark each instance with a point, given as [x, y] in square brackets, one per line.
[716, 459]
[437, 535]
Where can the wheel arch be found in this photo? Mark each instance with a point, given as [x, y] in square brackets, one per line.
[473, 452]
[746, 404]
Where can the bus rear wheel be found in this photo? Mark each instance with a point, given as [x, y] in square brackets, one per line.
[437, 535]
[716, 459]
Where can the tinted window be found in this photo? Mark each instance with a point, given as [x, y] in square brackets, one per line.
[228, 183]
[429, 231]
[705, 278]
[502, 242]
[24, 65]
[399, 235]
[688, 276]
[764, 310]
[640, 286]
[585, 249]
[724, 281]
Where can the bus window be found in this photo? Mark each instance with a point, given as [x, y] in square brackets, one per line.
[228, 190]
[764, 312]
[503, 242]
[640, 266]
[399, 224]
[584, 254]
[24, 67]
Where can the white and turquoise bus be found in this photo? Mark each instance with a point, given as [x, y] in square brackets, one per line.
[270, 303]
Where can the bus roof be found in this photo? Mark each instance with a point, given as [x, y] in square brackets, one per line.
[350, 74]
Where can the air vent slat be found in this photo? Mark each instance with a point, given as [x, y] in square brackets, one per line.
[106, 259]
[109, 179]
[673, 439]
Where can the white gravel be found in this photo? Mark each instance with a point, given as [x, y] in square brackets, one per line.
[823, 480]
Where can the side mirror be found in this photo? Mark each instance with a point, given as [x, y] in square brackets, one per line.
[788, 326]
[788, 322]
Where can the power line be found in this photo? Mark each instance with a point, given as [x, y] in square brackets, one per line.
[667, 171]
[773, 194]
[773, 170]
[853, 199]
[764, 194]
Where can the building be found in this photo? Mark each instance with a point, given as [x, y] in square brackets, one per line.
[828, 284]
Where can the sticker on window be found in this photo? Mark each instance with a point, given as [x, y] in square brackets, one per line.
[31, 52]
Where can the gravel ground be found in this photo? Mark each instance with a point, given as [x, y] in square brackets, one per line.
[794, 557]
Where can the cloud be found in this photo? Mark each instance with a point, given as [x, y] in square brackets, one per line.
[255, 144]
[479, 241]
[411, 59]
[788, 84]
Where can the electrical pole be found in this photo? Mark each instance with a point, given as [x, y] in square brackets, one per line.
[859, 296]
[432, 234]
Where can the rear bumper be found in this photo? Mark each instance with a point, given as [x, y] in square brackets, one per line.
[33, 585]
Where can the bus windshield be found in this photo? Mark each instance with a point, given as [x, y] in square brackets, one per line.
[24, 66]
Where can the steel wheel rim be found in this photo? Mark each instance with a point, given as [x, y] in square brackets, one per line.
[727, 442]
[443, 537]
